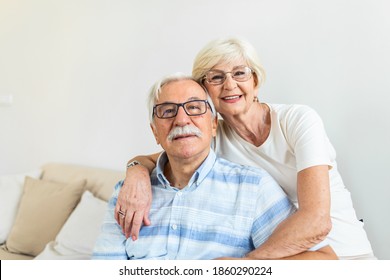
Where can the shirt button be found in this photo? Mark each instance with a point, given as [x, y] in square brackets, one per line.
[174, 227]
[179, 193]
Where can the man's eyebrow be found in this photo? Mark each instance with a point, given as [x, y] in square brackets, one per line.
[189, 99]
[195, 98]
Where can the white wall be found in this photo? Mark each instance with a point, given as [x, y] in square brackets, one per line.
[79, 70]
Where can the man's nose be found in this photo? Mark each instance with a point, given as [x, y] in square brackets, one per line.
[182, 118]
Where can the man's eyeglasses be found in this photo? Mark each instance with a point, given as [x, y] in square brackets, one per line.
[218, 77]
[192, 108]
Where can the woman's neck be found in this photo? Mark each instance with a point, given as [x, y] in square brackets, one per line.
[254, 125]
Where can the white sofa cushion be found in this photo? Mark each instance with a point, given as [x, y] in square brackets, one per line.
[77, 238]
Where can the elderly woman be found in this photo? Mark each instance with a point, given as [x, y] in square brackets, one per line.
[288, 141]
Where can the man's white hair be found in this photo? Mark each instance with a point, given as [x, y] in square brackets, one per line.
[155, 91]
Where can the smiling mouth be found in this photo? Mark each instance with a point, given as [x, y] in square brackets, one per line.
[233, 97]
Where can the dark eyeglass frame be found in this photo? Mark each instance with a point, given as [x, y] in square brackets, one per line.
[235, 69]
[178, 105]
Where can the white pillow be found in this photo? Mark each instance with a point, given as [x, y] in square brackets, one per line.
[77, 238]
[11, 189]
[51, 253]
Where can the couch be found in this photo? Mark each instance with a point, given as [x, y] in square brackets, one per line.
[54, 212]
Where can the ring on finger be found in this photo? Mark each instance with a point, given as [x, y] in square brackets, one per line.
[122, 214]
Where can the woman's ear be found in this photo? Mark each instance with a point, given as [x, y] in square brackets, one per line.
[256, 80]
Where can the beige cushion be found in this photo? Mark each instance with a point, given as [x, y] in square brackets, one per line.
[11, 190]
[43, 210]
[5, 255]
[100, 181]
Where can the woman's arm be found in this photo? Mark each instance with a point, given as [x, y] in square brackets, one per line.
[309, 225]
[135, 196]
[324, 253]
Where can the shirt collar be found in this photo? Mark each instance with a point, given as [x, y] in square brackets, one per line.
[198, 176]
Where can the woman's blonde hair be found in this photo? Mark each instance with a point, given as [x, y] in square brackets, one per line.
[225, 50]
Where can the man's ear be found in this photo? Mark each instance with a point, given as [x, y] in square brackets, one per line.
[154, 130]
[214, 125]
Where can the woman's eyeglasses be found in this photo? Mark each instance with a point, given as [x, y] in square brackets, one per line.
[218, 77]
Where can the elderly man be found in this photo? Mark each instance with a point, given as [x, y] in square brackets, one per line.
[203, 207]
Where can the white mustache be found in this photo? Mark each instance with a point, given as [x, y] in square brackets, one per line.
[183, 131]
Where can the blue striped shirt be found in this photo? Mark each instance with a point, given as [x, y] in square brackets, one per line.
[225, 210]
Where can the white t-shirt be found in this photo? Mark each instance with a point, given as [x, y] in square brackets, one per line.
[298, 140]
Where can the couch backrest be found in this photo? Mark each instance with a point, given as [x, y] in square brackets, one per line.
[100, 181]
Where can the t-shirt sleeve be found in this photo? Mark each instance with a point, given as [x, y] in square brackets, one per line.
[307, 137]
